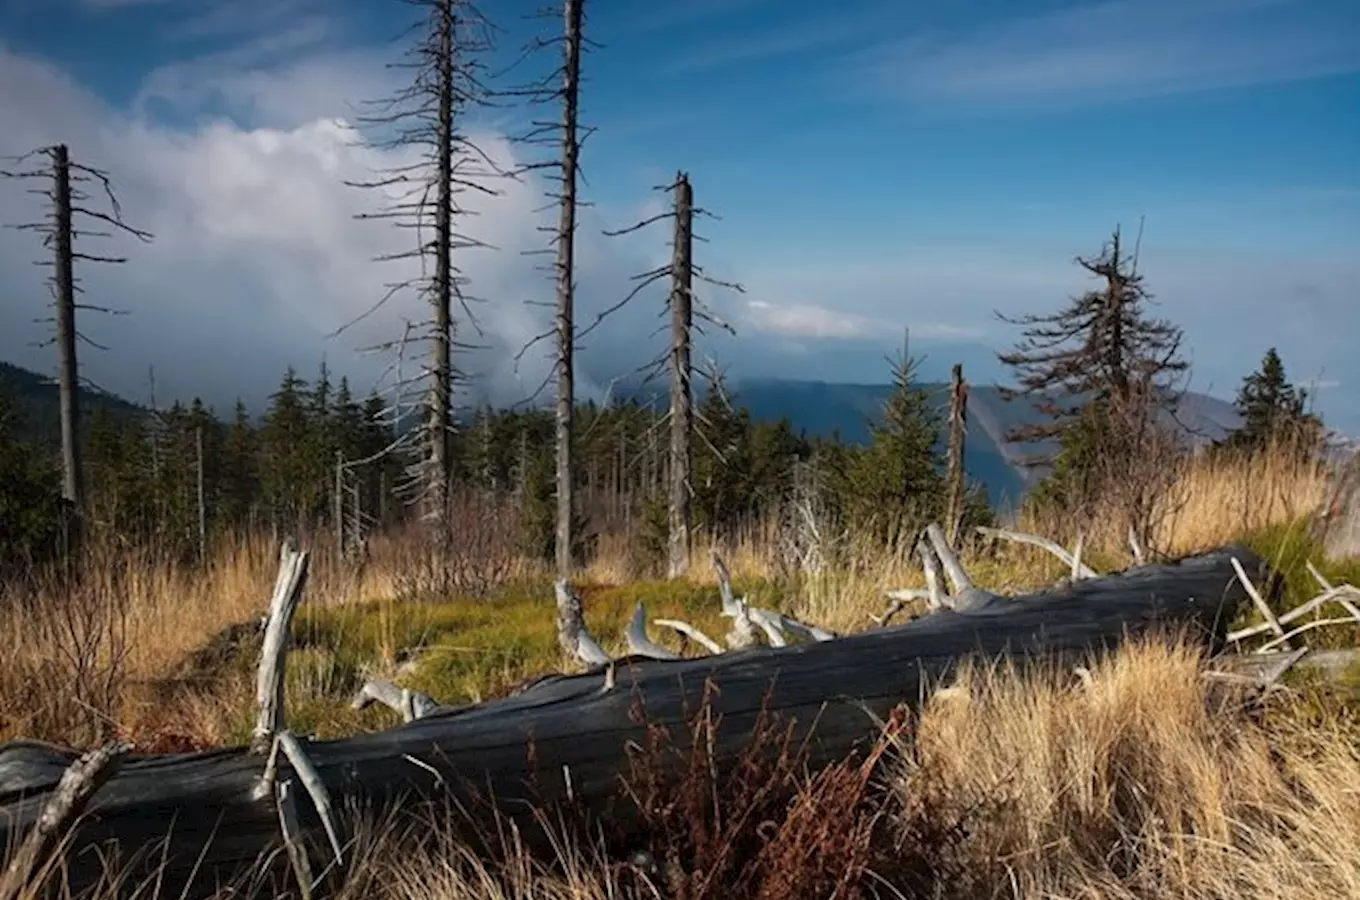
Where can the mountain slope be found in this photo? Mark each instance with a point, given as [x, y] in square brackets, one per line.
[36, 410]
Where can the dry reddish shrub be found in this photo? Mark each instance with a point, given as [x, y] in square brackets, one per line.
[755, 825]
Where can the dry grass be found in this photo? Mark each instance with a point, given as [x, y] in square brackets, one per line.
[1212, 500]
[114, 652]
[1143, 785]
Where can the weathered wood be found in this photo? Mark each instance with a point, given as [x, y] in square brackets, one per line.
[1337, 523]
[1072, 561]
[678, 512]
[77, 785]
[292, 578]
[525, 750]
[638, 642]
[411, 704]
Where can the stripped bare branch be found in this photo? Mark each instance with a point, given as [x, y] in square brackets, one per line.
[743, 633]
[690, 632]
[1079, 569]
[930, 565]
[1261, 606]
[1345, 602]
[729, 601]
[316, 789]
[411, 704]
[953, 569]
[638, 642]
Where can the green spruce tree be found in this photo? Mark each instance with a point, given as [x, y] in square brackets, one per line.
[896, 481]
[1274, 412]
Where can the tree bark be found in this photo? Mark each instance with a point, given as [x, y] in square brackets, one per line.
[958, 424]
[566, 739]
[682, 394]
[566, 241]
[68, 374]
[441, 363]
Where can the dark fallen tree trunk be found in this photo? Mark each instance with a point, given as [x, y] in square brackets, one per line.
[566, 739]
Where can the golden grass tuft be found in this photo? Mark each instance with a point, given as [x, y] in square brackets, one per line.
[1142, 785]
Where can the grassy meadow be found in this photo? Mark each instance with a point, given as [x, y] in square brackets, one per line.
[1146, 784]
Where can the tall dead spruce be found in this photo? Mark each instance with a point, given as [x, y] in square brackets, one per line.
[69, 205]
[424, 197]
[684, 308]
[1105, 373]
[562, 86]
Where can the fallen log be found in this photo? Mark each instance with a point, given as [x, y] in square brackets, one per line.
[566, 740]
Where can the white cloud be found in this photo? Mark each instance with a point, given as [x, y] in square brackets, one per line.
[804, 321]
[1120, 49]
[257, 254]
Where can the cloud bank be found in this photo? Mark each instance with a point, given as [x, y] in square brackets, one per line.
[258, 258]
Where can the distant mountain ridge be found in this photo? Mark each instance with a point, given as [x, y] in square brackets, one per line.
[37, 411]
[814, 408]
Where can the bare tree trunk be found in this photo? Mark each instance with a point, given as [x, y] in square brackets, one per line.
[73, 482]
[958, 424]
[682, 398]
[202, 505]
[441, 365]
[338, 510]
[566, 238]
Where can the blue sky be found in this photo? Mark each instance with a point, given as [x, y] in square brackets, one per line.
[877, 165]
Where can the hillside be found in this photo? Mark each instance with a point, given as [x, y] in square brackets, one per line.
[33, 399]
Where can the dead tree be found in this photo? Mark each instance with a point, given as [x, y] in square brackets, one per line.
[565, 745]
[573, 12]
[446, 82]
[678, 517]
[682, 272]
[958, 424]
[66, 202]
[562, 86]
[1104, 374]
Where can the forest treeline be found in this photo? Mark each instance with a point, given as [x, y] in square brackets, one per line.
[183, 476]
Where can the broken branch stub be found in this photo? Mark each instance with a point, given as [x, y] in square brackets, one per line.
[269, 682]
[411, 704]
[729, 601]
[570, 617]
[78, 784]
[1261, 606]
[930, 565]
[965, 596]
[576, 640]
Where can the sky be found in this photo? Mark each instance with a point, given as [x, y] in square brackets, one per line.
[872, 167]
